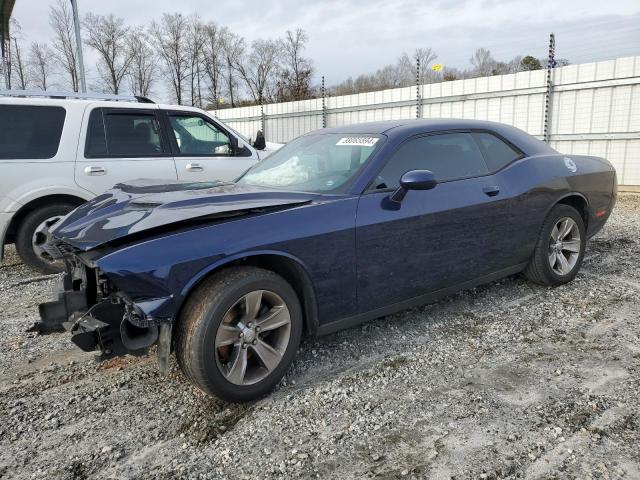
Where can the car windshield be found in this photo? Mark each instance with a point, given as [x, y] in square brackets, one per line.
[313, 163]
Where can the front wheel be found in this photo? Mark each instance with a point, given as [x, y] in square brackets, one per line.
[238, 333]
[32, 235]
[560, 248]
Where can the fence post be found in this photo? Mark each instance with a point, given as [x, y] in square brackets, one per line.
[262, 120]
[548, 101]
[418, 96]
[324, 106]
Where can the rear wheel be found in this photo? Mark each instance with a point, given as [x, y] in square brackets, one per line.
[238, 333]
[560, 249]
[31, 236]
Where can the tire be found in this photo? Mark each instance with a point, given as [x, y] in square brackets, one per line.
[218, 299]
[25, 236]
[540, 269]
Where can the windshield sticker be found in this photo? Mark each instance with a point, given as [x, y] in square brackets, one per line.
[357, 141]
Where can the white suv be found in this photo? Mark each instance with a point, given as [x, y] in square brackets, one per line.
[60, 150]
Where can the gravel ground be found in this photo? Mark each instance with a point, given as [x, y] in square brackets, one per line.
[510, 380]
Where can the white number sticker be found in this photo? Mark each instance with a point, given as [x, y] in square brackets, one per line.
[358, 141]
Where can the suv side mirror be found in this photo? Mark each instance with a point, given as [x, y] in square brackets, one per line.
[233, 143]
[414, 180]
[260, 142]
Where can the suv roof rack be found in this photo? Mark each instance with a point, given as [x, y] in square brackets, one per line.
[81, 96]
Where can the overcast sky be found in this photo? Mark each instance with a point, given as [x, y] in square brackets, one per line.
[348, 37]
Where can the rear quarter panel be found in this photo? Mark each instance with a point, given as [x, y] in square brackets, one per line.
[538, 183]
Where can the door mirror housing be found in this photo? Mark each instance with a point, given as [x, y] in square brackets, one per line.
[414, 180]
[233, 142]
[260, 142]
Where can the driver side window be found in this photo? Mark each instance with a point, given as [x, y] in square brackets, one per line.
[196, 136]
[450, 156]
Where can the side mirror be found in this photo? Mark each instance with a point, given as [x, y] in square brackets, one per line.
[233, 143]
[414, 180]
[260, 142]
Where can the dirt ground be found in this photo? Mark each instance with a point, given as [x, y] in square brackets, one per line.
[510, 380]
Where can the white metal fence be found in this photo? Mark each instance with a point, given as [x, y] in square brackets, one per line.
[595, 109]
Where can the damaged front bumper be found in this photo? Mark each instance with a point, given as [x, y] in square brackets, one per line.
[100, 318]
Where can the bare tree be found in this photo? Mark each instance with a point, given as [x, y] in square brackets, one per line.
[143, 67]
[258, 68]
[61, 21]
[483, 63]
[170, 39]
[8, 66]
[195, 44]
[39, 64]
[295, 81]
[19, 65]
[233, 48]
[407, 66]
[107, 35]
[213, 61]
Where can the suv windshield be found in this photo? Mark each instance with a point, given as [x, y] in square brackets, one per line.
[313, 163]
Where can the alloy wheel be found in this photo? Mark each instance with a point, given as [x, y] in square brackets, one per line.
[564, 246]
[252, 337]
[39, 238]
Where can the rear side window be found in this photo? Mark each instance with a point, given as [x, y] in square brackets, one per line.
[123, 134]
[497, 153]
[30, 132]
[449, 156]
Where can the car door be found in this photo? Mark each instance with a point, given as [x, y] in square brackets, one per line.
[436, 238]
[203, 150]
[122, 144]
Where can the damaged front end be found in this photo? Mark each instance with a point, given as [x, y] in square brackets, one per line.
[126, 271]
[98, 316]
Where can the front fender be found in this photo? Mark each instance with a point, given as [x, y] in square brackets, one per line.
[159, 292]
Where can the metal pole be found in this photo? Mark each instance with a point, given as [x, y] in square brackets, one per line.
[262, 119]
[324, 106]
[5, 61]
[547, 106]
[76, 24]
[6, 64]
[418, 96]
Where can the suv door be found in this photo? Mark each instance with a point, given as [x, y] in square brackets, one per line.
[436, 238]
[123, 144]
[202, 149]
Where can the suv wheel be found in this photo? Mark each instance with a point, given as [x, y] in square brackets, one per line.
[238, 333]
[559, 251]
[30, 238]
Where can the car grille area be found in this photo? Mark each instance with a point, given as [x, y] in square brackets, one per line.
[59, 249]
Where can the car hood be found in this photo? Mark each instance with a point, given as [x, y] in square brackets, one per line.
[148, 206]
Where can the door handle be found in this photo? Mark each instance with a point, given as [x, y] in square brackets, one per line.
[194, 167]
[94, 171]
[491, 191]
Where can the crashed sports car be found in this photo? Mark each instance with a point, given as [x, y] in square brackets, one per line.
[338, 227]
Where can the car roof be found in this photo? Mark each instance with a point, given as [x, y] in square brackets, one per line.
[421, 124]
[54, 100]
[400, 129]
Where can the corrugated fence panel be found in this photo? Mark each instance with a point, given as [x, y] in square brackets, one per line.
[595, 109]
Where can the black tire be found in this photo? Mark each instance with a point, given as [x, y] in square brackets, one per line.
[196, 329]
[27, 229]
[539, 269]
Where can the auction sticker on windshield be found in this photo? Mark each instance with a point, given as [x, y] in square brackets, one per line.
[358, 141]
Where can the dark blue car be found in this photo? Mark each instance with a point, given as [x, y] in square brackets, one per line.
[338, 227]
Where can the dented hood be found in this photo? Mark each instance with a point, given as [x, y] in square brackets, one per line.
[149, 206]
